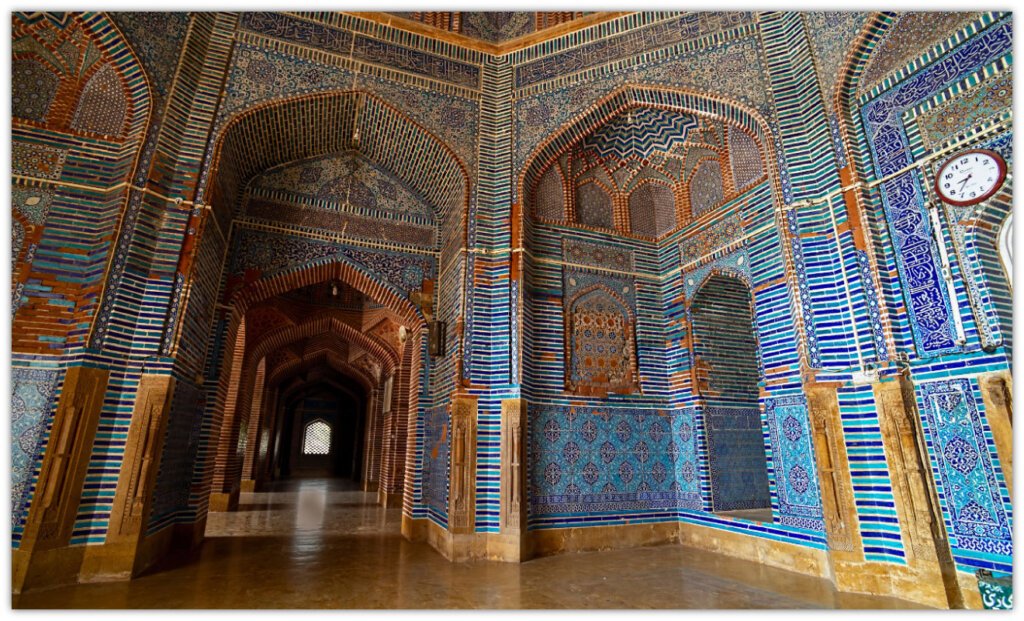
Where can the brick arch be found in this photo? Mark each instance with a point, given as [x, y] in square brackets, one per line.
[340, 379]
[848, 80]
[329, 357]
[279, 131]
[324, 271]
[727, 272]
[116, 52]
[629, 339]
[266, 288]
[321, 271]
[628, 96]
[239, 385]
[279, 376]
[287, 335]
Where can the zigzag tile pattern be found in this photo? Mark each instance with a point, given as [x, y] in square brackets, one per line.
[171, 189]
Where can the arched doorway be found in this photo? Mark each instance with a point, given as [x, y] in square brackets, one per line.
[637, 198]
[725, 352]
[329, 246]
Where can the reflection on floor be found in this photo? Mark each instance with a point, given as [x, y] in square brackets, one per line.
[323, 544]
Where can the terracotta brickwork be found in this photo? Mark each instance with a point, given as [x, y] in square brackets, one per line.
[690, 275]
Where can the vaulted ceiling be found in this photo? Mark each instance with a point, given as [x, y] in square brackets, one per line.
[492, 26]
[492, 31]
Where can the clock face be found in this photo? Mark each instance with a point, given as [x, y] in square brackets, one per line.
[970, 177]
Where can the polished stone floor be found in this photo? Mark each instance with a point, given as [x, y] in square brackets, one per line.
[323, 544]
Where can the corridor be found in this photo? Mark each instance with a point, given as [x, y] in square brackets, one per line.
[322, 543]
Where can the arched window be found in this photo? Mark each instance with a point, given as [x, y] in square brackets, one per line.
[316, 439]
[601, 357]
[1006, 248]
[727, 376]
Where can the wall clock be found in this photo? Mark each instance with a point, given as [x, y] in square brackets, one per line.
[970, 177]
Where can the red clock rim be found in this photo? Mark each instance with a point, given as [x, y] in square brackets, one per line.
[1000, 163]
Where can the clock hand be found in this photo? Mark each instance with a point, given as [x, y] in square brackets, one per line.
[964, 182]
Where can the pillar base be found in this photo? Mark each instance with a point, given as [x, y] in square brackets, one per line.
[386, 500]
[224, 501]
[45, 568]
[467, 547]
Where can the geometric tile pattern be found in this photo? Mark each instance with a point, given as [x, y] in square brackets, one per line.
[102, 107]
[706, 188]
[796, 476]
[746, 158]
[962, 458]
[736, 459]
[34, 393]
[604, 50]
[639, 132]
[33, 88]
[588, 460]
[652, 210]
[594, 206]
[831, 33]
[549, 197]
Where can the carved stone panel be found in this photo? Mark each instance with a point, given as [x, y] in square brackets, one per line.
[141, 457]
[59, 488]
[513, 434]
[997, 394]
[911, 479]
[462, 483]
[833, 470]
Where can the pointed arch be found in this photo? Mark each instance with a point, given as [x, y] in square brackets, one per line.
[652, 209]
[640, 95]
[697, 103]
[594, 205]
[102, 107]
[726, 376]
[285, 130]
[600, 343]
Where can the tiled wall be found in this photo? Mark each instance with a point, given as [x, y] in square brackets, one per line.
[126, 241]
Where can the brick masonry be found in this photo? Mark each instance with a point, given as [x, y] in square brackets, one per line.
[581, 213]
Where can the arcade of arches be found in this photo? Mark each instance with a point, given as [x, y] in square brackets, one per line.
[533, 289]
